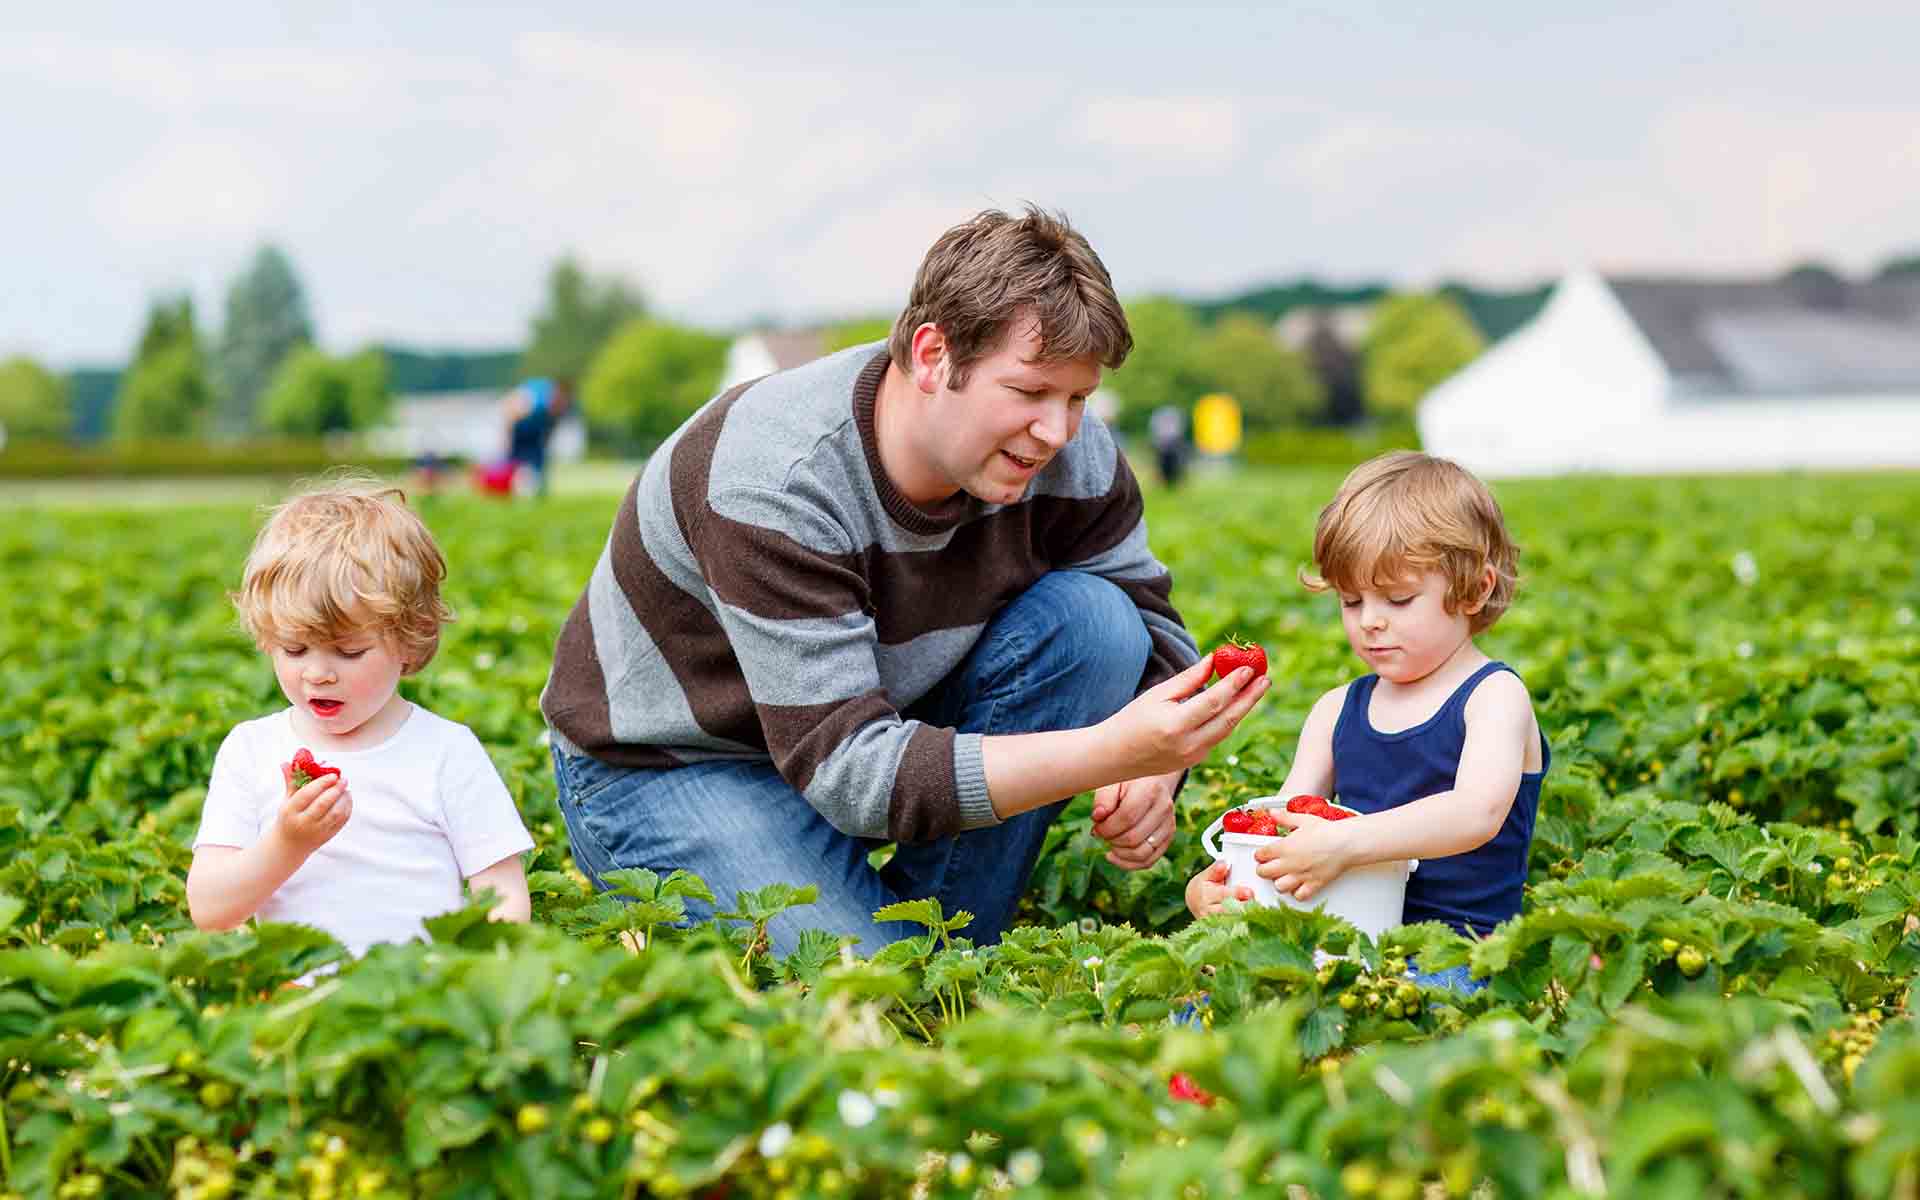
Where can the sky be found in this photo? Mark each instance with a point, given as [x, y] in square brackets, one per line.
[740, 164]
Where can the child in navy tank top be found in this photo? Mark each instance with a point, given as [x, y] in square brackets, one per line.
[1438, 746]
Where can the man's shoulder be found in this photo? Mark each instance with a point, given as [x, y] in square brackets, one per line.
[782, 421]
[1086, 469]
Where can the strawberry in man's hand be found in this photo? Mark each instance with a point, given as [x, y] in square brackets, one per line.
[305, 768]
[1236, 654]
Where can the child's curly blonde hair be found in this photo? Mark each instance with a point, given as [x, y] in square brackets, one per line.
[1410, 512]
[348, 557]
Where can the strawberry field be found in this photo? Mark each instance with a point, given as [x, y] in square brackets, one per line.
[1709, 993]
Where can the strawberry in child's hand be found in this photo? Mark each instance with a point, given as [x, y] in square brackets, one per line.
[1236, 654]
[305, 768]
[1182, 1087]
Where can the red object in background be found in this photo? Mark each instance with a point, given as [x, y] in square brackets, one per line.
[1182, 1087]
[495, 478]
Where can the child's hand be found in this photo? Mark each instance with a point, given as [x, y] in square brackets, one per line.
[312, 814]
[1316, 853]
[1208, 891]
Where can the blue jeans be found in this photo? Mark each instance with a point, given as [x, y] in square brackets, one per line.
[1066, 653]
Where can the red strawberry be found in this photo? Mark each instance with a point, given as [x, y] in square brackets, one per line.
[1263, 824]
[1182, 1087]
[306, 768]
[1337, 812]
[1236, 654]
[1236, 820]
[1306, 802]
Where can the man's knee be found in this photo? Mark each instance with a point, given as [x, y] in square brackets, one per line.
[1090, 624]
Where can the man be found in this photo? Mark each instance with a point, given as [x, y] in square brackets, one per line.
[902, 593]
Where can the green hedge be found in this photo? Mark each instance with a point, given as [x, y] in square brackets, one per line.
[1326, 447]
[169, 457]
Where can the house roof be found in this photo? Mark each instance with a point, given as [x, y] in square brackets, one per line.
[793, 347]
[1802, 333]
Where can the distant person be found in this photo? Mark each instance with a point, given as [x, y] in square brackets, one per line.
[1167, 428]
[533, 410]
[900, 594]
[1438, 747]
[342, 593]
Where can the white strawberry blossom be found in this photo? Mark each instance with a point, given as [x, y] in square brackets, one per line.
[1024, 1166]
[1745, 569]
[857, 1108]
[775, 1139]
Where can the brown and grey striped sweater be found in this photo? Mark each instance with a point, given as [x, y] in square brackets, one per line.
[766, 593]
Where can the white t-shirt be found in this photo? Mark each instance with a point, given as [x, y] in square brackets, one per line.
[429, 810]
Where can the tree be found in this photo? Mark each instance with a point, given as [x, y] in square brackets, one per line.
[1901, 267]
[856, 333]
[33, 401]
[1274, 386]
[1165, 366]
[1417, 340]
[165, 392]
[266, 321]
[650, 378]
[316, 393]
[580, 315]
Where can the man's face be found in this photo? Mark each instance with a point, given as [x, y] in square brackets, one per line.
[1015, 413]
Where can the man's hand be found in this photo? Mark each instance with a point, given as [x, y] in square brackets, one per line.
[1174, 725]
[1208, 892]
[1136, 819]
[312, 814]
[1316, 853]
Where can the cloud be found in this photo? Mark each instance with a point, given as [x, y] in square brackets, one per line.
[1155, 133]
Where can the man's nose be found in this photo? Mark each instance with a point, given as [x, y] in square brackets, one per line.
[1050, 427]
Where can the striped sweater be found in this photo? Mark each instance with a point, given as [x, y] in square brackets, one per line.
[767, 594]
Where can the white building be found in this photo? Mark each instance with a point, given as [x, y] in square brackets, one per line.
[469, 425]
[1674, 376]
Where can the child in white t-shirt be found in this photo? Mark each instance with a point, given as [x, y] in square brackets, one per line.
[342, 593]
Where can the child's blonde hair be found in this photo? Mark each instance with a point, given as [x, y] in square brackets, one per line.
[1409, 511]
[346, 558]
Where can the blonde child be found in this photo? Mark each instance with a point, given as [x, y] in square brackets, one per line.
[1437, 747]
[342, 593]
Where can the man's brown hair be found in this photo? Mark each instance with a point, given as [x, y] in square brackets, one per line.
[1409, 511]
[984, 273]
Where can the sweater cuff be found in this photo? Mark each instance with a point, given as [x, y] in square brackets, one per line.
[970, 782]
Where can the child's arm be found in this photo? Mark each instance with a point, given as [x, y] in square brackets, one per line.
[508, 879]
[1312, 769]
[227, 884]
[1499, 719]
[1208, 892]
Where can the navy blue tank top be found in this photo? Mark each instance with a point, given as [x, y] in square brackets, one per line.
[1376, 771]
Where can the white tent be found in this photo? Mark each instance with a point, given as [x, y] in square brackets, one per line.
[1675, 376]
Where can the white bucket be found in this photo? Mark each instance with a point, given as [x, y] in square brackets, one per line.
[1369, 897]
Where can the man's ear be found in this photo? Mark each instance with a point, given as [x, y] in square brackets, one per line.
[929, 358]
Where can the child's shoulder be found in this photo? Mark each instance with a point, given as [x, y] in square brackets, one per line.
[1501, 695]
[269, 729]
